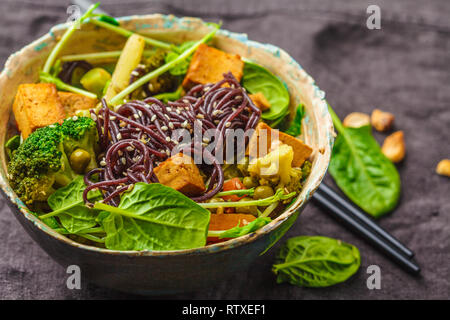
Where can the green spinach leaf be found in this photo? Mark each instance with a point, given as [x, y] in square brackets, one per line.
[169, 96]
[295, 126]
[361, 170]
[258, 79]
[315, 261]
[108, 19]
[182, 67]
[154, 217]
[67, 203]
[77, 219]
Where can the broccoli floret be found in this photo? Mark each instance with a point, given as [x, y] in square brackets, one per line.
[41, 163]
[156, 59]
[77, 127]
[298, 176]
[166, 82]
[295, 183]
[306, 170]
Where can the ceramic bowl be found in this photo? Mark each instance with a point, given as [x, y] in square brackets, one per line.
[166, 272]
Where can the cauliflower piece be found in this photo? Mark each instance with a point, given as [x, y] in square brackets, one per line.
[277, 163]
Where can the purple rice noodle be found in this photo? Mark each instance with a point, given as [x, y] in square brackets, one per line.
[136, 137]
[68, 69]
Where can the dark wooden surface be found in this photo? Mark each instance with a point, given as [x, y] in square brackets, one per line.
[402, 68]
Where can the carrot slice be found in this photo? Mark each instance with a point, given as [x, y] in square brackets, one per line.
[233, 184]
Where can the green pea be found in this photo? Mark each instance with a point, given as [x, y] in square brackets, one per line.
[79, 160]
[262, 192]
[249, 182]
[250, 209]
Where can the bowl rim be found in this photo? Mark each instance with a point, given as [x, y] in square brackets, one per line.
[212, 248]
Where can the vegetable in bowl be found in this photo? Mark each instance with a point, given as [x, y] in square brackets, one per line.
[152, 272]
[52, 157]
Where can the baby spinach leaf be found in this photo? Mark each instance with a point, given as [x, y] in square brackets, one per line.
[154, 217]
[67, 203]
[315, 261]
[258, 79]
[361, 170]
[280, 122]
[169, 96]
[78, 219]
[241, 231]
[182, 67]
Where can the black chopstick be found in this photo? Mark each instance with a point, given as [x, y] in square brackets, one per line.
[347, 206]
[338, 212]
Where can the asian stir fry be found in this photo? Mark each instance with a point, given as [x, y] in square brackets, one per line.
[159, 146]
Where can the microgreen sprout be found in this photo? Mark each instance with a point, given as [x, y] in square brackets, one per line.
[61, 85]
[278, 196]
[127, 33]
[95, 56]
[164, 68]
[58, 47]
[239, 192]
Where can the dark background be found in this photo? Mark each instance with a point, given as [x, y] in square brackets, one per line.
[403, 68]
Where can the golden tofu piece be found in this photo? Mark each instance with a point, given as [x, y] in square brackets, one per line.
[37, 105]
[266, 139]
[260, 101]
[180, 173]
[301, 150]
[72, 102]
[209, 64]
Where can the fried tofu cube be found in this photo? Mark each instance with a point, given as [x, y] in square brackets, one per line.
[72, 102]
[37, 105]
[180, 173]
[266, 139]
[209, 64]
[260, 101]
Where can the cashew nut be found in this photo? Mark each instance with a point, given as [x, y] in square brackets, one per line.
[394, 147]
[356, 120]
[443, 167]
[381, 120]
